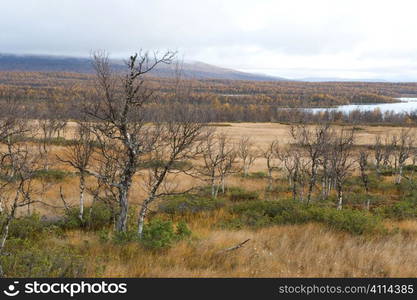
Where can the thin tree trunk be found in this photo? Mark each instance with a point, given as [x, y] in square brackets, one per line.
[270, 179]
[213, 187]
[311, 185]
[400, 174]
[142, 216]
[339, 197]
[124, 206]
[82, 188]
[245, 170]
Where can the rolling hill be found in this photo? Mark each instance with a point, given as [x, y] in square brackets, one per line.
[195, 70]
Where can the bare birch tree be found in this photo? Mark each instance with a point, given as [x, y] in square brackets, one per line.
[121, 117]
[363, 169]
[313, 141]
[246, 153]
[216, 150]
[341, 161]
[78, 155]
[180, 142]
[404, 147]
[377, 147]
[271, 155]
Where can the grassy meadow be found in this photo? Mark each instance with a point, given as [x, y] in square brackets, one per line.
[189, 234]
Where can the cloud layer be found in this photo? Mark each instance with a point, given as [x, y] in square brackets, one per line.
[297, 38]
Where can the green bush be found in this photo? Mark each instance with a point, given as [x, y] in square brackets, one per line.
[359, 198]
[96, 217]
[353, 221]
[52, 175]
[125, 237]
[237, 194]
[266, 213]
[188, 203]
[410, 168]
[400, 211]
[28, 259]
[26, 227]
[387, 172]
[158, 234]
[182, 230]
[281, 187]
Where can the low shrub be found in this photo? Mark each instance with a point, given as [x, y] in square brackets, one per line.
[237, 194]
[189, 203]
[160, 234]
[353, 221]
[400, 211]
[157, 234]
[27, 227]
[182, 230]
[410, 168]
[95, 217]
[281, 187]
[265, 213]
[28, 259]
[124, 237]
[387, 172]
[359, 198]
[52, 175]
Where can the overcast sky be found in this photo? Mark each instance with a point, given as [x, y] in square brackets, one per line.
[291, 38]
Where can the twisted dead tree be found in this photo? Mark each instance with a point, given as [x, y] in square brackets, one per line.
[377, 148]
[246, 153]
[363, 169]
[341, 160]
[403, 151]
[120, 119]
[295, 167]
[271, 154]
[217, 154]
[78, 155]
[313, 141]
[19, 164]
[181, 135]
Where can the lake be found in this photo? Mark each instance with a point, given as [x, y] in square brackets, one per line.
[406, 105]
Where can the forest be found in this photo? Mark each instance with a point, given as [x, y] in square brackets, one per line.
[142, 183]
[62, 95]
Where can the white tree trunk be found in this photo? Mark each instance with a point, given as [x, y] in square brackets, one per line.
[82, 188]
[339, 198]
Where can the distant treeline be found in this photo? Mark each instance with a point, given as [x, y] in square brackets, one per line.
[61, 94]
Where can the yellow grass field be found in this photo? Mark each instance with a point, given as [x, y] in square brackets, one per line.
[260, 133]
[309, 250]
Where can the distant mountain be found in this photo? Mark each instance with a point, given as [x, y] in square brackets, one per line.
[336, 79]
[195, 70]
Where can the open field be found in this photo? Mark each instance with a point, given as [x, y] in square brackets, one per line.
[377, 244]
[260, 133]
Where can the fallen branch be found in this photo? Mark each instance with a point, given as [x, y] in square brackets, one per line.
[235, 247]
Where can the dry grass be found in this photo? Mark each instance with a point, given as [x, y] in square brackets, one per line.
[280, 251]
[309, 250]
[261, 133]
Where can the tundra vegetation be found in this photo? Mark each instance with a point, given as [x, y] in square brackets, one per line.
[141, 183]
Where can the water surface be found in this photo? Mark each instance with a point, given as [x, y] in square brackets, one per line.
[406, 105]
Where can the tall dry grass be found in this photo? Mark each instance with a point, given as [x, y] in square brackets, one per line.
[309, 250]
